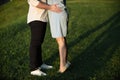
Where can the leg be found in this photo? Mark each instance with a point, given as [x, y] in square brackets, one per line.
[62, 52]
[38, 30]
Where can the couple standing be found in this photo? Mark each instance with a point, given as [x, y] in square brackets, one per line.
[39, 11]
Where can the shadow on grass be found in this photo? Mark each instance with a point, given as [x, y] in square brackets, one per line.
[3, 2]
[96, 55]
[100, 51]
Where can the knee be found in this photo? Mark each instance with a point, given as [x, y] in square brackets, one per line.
[61, 41]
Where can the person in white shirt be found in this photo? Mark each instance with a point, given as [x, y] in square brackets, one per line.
[37, 20]
[58, 26]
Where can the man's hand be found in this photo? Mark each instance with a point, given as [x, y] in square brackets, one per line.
[55, 8]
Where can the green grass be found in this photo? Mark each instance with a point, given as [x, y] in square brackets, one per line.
[93, 42]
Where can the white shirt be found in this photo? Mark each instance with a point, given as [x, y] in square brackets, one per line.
[36, 14]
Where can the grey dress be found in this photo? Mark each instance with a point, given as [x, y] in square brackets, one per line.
[58, 21]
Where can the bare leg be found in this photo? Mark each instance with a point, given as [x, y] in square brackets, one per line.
[62, 52]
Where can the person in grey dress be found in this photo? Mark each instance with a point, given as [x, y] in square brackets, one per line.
[58, 27]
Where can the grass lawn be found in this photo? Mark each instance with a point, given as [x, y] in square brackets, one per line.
[93, 42]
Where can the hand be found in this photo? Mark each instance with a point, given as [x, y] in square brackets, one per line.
[55, 8]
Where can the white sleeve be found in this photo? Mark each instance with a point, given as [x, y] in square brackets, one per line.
[33, 2]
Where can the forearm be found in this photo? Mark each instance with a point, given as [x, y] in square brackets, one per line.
[53, 7]
[43, 6]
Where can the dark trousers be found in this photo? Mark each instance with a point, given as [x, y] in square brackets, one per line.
[38, 30]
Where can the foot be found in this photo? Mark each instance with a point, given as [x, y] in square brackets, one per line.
[45, 66]
[65, 67]
[38, 72]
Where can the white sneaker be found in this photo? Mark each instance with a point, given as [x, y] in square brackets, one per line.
[45, 66]
[38, 73]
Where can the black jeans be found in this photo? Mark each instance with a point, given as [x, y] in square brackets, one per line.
[38, 30]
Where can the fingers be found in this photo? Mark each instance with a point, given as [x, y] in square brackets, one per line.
[55, 8]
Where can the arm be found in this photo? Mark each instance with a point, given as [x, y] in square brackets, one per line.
[53, 7]
[43, 5]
